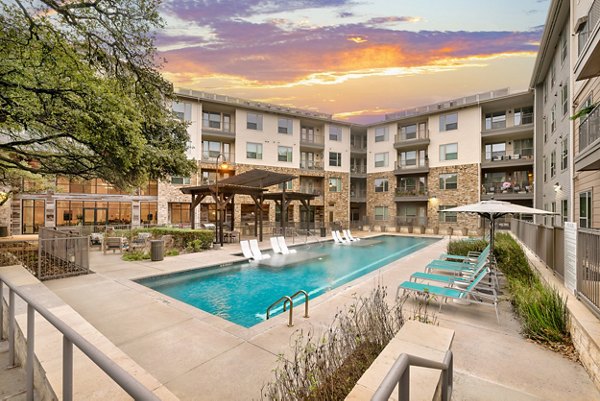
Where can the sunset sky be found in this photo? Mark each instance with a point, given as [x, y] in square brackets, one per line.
[352, 58]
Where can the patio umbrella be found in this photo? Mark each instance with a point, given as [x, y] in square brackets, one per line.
[493, 210]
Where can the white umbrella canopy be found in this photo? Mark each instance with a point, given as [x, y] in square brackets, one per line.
[494, 209]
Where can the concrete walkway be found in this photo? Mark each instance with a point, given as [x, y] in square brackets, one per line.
[198, 356]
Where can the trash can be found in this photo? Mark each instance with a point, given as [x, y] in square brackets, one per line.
[3, 231]
[323, 232]
[157, 250]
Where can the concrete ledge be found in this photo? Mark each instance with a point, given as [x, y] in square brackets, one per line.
[414, 338]
[584, 325]
[90, 382]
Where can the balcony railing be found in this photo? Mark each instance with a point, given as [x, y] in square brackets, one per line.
[411, 164]
[592, 19]
[589, 129]
[211, 157]
[358, 193]
[312, 139]
[416, 191]
[411, 221]
[225, 127]
[311, 165]
[413, 136]
[506, 187]
[311, 191]
[500, 156]
[358, 169]
[523, 118]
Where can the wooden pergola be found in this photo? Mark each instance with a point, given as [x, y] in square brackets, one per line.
[252, 183]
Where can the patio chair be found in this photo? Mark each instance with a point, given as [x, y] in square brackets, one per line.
[256, 253]
[465, 265]
[470, 256]
[275, 245]
[470, 294]
[464, 278]
[114, 244]
[246, 250]
[283, 246]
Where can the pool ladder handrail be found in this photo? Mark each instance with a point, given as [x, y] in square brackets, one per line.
[305, 301]
[286, 299]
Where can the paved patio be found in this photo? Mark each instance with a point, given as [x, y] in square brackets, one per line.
[198, 356]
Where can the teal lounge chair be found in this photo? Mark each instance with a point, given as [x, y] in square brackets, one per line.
[456, 268]
[468, 294]
[473, 255]
[464, 265]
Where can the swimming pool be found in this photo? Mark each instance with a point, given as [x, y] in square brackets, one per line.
[242, 292]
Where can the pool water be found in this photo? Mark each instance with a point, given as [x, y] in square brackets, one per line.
[242, 292]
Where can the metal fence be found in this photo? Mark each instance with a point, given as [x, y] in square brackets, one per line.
[588, 268]
[548, 243]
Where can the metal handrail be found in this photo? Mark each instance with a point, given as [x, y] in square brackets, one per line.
[286, 298]
[70, 337]
[305, 301]
[399, 375]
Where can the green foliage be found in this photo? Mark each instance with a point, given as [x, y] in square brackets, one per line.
[172, 252]
[543, 312]
[327, 367]
[463, 247]
[583, 112]
[182, 237]
[82, 94]
[136, 255]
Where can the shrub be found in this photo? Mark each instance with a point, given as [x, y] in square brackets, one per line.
[182, 237]
[465, 246]
[511, 259]
[328, 367]
[172, 252]
[136, 255]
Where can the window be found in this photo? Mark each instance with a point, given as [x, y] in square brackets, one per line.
[381, 185]
[545, 127]
[585, 209]
[211, 150]
[524, 115]
[553, 118]
[381, 134]
[286, 185]
[408, 158]
[211, 120]
[552, 76]
[449, 122]
[564, 159]
[335, 159]
[495, 151]
[180, 180]
[179, 213]
[564, 98]
[564, 210]
[284, 153]
[182, 111]
[449, 151]
[254, 150]
[495, 120]
[381, 159]
[285, 126]
[582, 37]
[408, 132]
[148, 212]
[447, 217]
[335, 133]
[563, 48]
[449, 181]
[553, 164]
[545, 168]
[545, 89]
[335, 184]
[254, 121]
[381, 213]
[523, 148]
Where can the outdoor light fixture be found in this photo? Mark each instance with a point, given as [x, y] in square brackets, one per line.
[557, 187]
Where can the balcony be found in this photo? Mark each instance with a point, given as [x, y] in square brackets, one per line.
[211, 157]
[311, 165]
[358, 195]
[588, 157]
[358, 171]
[310, 190]
[506, 191]
[506, 159]
[312, 141]
[588, 62]
[411, 167]
[414, 194]
[413, 140]
[523, 124]
[214, 130]
[414, 221]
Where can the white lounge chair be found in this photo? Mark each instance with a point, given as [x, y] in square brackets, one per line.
[283, 246]
[337, 238]
[246, 249]
[349, 235]
[344, 240]
[275, 245]
[256, 253]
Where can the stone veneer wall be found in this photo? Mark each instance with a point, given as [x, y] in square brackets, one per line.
[5, 211]
[467, 192]
[381, 198]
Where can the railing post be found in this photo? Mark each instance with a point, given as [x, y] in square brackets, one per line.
[39, 261]
[404, 385]
[11, 328]
[67, 379]
[1, 310]
[30, 350]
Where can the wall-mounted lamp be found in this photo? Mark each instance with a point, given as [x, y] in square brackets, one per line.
[557, 187]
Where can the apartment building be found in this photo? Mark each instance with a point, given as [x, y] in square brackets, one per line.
[424, 160]
[585, 58]
[551, 82]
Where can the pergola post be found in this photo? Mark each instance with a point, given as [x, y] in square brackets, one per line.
[192, 212]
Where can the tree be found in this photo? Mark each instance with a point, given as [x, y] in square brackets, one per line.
[81, 95]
